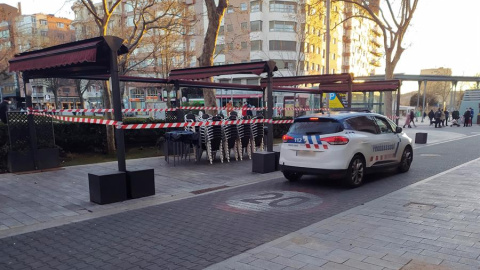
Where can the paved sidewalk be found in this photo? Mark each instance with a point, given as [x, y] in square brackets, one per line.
[34, 201]
[433, 224]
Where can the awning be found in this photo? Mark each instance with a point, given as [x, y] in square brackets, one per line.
[390, 85]
[309, 79]
[86, 57]
[256, 68]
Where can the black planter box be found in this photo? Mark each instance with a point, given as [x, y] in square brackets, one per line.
[421, 138]
[140, 183]
[20, 161]
[48, 158]
[263, 162]
[107, 187]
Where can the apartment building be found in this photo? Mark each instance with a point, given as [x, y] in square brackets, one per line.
[293, 34]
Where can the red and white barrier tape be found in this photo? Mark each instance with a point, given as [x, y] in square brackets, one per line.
[81, 119]
[194, 124]
[172, 109]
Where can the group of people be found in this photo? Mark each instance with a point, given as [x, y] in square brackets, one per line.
[245, 111]
[441, 117]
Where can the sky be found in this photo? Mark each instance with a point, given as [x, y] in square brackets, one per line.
[443, 33]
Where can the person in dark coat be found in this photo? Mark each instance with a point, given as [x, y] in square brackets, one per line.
[466, 117]
[438, 116]
[4, 110]
[431, 115]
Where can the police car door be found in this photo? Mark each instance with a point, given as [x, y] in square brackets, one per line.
[387, 145]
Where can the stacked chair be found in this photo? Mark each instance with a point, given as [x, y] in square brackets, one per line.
[258, 134]
[246, 139]
[211, 138]
[231, 139]
[242, 138]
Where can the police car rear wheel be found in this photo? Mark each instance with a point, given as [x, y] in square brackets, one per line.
[406, 161]
[355, 172]
[292, 176]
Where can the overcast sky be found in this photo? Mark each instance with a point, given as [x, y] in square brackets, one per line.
[444, 33]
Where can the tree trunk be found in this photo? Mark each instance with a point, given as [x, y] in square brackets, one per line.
[110, 129]
[215, 15]
[388, 95]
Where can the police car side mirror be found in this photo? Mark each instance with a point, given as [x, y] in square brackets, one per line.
[398, 130]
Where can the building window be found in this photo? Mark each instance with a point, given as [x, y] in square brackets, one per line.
[282, 26]
[60, 25]
[230, 9]
[283, 64]
[282, 45]
[243, 45]
[256, 26]
[333, 56]
[230, 46]
[244, 25]
[229, 27]
[256, 45]
[283, 6]
[43, 33]
[323, 53]
[255, 6]
[243, 6]
[43, 22]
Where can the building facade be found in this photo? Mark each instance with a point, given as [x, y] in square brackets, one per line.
[20, 33]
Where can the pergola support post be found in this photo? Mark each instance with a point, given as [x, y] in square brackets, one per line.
[397, 113]
[424, 96]
[115, 45]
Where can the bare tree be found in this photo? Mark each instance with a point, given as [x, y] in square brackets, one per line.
[215, 14]
[54, 84]
[145, 15]
[82, 86]
[393, 18]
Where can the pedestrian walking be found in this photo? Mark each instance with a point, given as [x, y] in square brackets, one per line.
[412, 118]
[407, 121]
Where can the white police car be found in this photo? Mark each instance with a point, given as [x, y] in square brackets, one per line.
[345, 145]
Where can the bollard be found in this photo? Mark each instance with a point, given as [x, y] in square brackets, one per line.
[421, 138]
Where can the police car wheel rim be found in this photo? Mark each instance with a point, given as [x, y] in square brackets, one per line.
[357, 171]
[406, 158]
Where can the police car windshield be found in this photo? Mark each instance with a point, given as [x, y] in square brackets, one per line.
[317, 126]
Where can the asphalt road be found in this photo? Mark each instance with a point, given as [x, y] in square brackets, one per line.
[196, 232]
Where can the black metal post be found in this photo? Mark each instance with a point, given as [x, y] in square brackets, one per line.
[424, 95]
[398, 104]
[269, 96]
[114, 43]
[31, 123]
